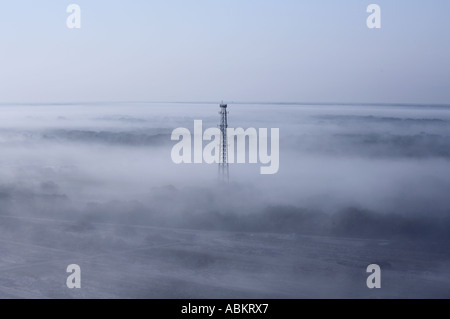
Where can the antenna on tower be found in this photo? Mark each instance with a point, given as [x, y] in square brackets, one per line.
[223, 156]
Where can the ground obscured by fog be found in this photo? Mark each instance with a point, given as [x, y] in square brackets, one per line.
[95, 182]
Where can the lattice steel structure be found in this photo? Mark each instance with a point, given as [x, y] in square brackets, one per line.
[223, 156]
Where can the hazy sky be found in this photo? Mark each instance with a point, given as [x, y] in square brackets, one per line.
[235, 50]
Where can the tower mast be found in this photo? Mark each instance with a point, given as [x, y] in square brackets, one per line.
[223, 156]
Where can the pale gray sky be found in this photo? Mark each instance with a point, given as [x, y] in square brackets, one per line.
[235, 50]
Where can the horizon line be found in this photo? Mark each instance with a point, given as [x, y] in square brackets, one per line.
[287, 103]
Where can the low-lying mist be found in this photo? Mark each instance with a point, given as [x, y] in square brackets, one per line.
[350, 171]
